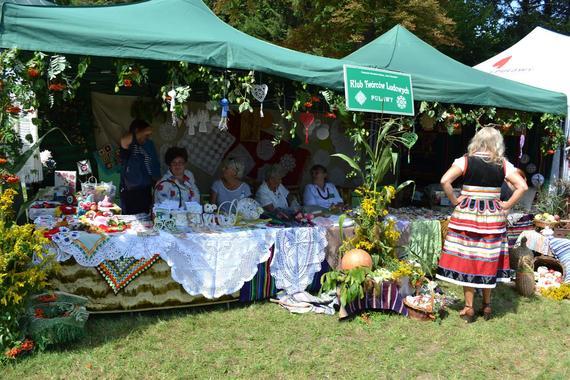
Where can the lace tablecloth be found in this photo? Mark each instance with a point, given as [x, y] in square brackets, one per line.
[215, 264]
[209, 264]
[299, 253]
[90, 250]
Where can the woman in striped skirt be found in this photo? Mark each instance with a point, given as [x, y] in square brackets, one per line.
[475, 252]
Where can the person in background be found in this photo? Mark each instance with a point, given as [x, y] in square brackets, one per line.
[229, 187]
[271, 194]
[475, 252]
[140, 168]
[508, 188]
[320, 192]
[177, 183]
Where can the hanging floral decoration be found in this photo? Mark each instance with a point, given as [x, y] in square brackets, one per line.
[554, 134]
[236, 87]
[130, 73]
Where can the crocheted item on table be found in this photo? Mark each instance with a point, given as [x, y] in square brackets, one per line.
[119, 273]
[299, 253]
[90, 250]
[215, 264]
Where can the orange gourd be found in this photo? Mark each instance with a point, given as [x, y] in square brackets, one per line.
[356, 258]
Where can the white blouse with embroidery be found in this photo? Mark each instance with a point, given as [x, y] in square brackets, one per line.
[170, 188]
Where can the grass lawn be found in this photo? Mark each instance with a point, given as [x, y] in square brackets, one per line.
[528, 338]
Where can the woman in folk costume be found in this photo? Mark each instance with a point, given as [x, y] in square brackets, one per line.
[475, 252]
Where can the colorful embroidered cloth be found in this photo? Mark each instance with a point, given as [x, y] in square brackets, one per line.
[516, 224]
[261, 286]
[386, 299]
[299, 253]
[535, 242]
[119, 273]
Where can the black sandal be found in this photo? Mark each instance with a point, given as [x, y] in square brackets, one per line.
[468, 317]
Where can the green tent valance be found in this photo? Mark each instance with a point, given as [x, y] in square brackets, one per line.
[166, 30]
[187, 30]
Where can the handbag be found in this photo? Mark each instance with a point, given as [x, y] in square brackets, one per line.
[134, 174]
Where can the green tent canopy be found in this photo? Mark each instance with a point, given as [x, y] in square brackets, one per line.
[436, 77]
[187, 30]
[165, 30]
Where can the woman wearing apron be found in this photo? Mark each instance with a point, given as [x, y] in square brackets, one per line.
[475, 252]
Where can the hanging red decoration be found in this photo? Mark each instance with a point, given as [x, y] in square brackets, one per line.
[307, 119]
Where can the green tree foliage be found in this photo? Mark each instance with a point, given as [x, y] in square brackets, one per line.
[467, 30]
[522, 16]
[487, 27]
[335, 27]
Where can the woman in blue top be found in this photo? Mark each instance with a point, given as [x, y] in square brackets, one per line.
[140, 168]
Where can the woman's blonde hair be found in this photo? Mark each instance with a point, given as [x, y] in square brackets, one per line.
[488, 140]
[235, 164]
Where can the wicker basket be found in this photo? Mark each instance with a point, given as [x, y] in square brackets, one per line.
[543, 224]
[419, 314]
[550, 263]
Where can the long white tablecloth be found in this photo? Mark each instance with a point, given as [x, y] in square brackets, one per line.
[211, 264]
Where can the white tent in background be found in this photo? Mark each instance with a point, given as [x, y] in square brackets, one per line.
[541, 59]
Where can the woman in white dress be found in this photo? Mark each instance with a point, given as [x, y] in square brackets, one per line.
[229, 187]
[271, 194]
[321, 193]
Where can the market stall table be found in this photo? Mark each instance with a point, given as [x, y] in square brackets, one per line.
[208, 264]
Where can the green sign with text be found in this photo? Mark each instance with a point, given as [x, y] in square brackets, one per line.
[373, 90]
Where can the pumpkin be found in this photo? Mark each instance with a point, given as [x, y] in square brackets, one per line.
[355, 258]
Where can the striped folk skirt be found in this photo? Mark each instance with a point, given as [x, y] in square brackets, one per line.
[475, 251]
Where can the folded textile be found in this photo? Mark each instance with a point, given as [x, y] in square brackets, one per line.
[303, 302]
[387, 298]
[561, 250]
[535, 242]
